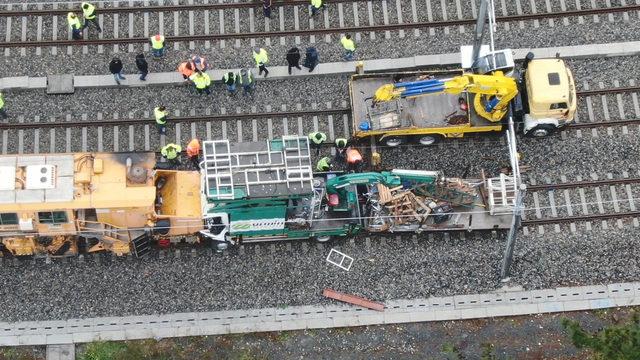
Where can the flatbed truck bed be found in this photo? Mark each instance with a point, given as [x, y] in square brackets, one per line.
[423, 120]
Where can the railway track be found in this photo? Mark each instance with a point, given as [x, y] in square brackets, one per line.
[94, 133]
[582, 201]
[52, 30]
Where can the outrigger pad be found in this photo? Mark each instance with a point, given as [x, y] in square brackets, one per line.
[60, 84]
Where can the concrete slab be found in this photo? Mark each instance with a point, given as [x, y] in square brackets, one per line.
[280, 72]
[60, 84]
[61, 352]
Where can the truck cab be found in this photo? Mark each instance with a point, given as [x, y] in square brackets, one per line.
[549, 98]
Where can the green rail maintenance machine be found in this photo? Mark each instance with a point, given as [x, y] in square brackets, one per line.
[266, 191]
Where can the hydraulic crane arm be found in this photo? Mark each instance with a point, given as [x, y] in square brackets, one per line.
[494, 91]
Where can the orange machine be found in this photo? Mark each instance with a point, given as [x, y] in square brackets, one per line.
[63, 204]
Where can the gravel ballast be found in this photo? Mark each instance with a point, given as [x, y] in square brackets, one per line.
[235, 54]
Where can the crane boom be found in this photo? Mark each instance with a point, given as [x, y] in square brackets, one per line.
[495, 91]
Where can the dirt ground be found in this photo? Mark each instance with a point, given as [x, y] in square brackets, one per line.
[523, 337]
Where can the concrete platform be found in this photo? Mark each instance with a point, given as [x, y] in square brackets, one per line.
[61, 352]
[498, 303]
[280, 72]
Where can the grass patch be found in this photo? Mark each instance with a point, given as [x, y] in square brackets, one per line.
[103, 350]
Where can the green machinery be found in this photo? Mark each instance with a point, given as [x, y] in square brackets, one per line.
[267, 191]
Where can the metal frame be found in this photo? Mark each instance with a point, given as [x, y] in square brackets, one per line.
[221, 165]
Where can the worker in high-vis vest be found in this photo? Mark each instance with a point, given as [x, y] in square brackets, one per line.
[202, 82]
[193, 153]
[160, 114]
[229, 79]
[171, 153]
[317, 138]
[89, 14]
[75, 26]
[246, 80]
[341, 147]
[349, 47]
[3, 112]
[261, 58]
[316, 6]
[354, 160]
[157, 46]
[324, 164]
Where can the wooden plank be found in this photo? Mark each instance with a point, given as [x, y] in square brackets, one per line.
[352, 299]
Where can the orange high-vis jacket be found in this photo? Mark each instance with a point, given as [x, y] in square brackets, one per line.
[184, 70]
[353, 156]
[193, 148]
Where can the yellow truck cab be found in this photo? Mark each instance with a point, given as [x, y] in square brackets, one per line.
[549, 98]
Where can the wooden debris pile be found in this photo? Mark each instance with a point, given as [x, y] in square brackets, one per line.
[403, 205]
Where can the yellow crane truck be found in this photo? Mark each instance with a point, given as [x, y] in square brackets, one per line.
[425, 107]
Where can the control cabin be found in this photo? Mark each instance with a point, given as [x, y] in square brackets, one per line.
[62, 204]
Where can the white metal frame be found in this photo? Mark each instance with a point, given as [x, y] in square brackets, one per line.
[343, 258]
[295, 166]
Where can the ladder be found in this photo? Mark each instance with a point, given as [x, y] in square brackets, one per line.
[217, 160]
[296, 159]
[501, 192]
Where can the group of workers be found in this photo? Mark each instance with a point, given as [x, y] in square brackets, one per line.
[194, 71]
[172, 151]
[345, 154]
[89, 17]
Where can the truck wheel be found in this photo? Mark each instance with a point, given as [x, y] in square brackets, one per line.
[323, 238]
[393, 141]
[541, 131]
[427, 140]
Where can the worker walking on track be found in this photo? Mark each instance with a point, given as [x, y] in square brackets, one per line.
[293, 58]
[229, 79]
[261, 58]
[316, 6]
[143, 66]
[171, 153]
[75, 26]
[317, 138]
[324, 164]
[157, 46]
[115, 67]
[349, 47]
[202, 81]
[311, 58]
[193, 153]
[266, 8]
[89, 14]
[341, 147]
[3, 112]
[160, 114]
[247, 81]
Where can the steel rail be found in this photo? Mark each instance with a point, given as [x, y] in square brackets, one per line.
[581, 218]
[579, 184]
[228, 36]
[41, 125]
[242, 5]
[617, 90]
[240, 116]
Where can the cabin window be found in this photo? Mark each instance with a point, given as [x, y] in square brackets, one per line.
[556, 106]
[53, 217]
[9, 219]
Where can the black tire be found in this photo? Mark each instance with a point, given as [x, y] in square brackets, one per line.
[393, 141]
[427, 139]
[323, 238]
[541, 131]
